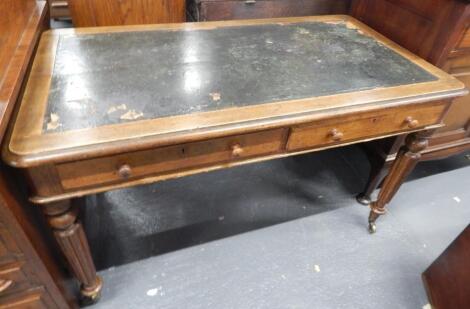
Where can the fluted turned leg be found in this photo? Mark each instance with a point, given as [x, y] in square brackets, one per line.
[69, 233]
[406, 160]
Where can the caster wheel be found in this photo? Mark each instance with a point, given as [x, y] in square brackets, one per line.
[89, 299]
[91, 295]
[372, 228]
[363, 200]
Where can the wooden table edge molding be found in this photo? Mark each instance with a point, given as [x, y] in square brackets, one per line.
[69, 164]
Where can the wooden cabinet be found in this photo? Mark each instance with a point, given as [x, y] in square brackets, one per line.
[25, 281]
[28, 275]
[437, 31]
[447, 279]
[210, 10]
[96, 13]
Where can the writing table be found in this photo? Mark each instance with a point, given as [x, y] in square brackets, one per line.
[108, 108]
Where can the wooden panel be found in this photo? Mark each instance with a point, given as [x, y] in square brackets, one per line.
[59, 9]
[459, 65]
[458, 115]
[400, 21]
[447, 280]
[465, 42]
[342, 129]
[427, 28]
[15, 274]
[88, 13]
[9, 250]
[19, 33]
[236, 9]
[167, 159]
[33, 299]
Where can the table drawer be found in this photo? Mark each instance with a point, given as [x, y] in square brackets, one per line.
[349, 128]
[169, 159]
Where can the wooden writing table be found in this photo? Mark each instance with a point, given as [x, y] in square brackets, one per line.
[108, 108]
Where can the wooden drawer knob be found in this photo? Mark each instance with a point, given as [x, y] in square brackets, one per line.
[237, 150]
[411, 122]
[125, 171]
[4, 284]
[336, 135]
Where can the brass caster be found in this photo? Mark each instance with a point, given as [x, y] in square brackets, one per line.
[372, 227]
[88, 300]
[91, 296]
[363, 200]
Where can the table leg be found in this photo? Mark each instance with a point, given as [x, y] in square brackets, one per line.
[407, 158]
[62, 218]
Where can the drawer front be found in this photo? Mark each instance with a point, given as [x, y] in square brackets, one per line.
[459, 65]
[348, 129]
[32, 299]
[169, 159]
[246, 9]
[13, 278]
[9, 250]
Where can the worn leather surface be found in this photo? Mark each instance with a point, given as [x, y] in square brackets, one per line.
[99, 78]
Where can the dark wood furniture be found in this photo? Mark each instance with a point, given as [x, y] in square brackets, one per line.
[437, 31]
[29, 277]
[213, 10]
[204, 96]
[447, 280]
[98, 13]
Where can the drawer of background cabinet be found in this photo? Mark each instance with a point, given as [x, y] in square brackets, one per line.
[210, 10]
[13, 278]
[367, 125]
[458, 65]
[9, 250]
[36, 298]
[464, 41]
[123, 167]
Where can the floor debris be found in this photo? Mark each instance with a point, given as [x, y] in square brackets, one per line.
[121, 107]
[131, 115]
[215, 96]
[153, 292]
[53, 123]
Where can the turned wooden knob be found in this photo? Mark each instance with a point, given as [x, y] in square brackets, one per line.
[237, 150]
[125, 171]
[411, 122]
[4, 284]
[336, 135]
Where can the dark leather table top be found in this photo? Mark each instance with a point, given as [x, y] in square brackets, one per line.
[109, 78]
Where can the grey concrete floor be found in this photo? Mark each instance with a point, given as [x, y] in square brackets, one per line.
[280, 234]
